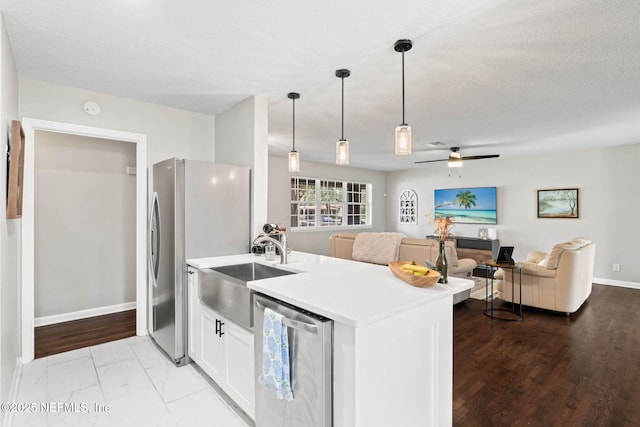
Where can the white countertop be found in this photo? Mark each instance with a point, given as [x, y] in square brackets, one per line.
[350, 292]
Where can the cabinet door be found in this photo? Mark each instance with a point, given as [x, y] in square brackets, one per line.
[212, 359]
[193, 323]
[240, 367]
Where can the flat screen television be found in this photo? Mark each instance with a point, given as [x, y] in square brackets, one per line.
[475, 205]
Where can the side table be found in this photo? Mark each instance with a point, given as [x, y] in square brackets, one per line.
[489, 309]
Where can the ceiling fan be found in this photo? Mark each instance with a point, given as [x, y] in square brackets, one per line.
[455, 158]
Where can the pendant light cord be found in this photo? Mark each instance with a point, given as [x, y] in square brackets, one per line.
[403, 122]
[342, 78]
[294, 124]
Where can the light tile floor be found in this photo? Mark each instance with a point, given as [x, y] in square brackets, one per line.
[122, 383]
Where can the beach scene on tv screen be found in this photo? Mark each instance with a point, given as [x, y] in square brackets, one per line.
[467, 205]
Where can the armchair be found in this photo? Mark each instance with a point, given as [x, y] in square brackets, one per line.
[559, 281]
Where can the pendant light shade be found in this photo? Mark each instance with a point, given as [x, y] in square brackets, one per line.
[342, 146]
[294, 157]
[342, 152]
[403, 131]
[403, 140]
[294, 161]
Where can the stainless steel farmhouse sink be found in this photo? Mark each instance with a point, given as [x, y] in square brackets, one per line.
[224, 289]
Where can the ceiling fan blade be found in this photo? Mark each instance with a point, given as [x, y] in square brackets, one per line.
[487, 156]
[431, 161]
[455, 150]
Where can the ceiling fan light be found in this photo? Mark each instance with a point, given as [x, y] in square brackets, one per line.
[294, 161]
[403, 140]
[455, 160]
[342, 152]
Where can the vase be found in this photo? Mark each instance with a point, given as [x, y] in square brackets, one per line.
[441, 264]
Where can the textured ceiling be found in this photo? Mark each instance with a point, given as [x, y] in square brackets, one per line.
[508, 77]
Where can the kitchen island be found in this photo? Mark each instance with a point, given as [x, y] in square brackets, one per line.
[392, 342]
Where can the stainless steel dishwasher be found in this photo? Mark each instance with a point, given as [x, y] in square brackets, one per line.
[311, 368]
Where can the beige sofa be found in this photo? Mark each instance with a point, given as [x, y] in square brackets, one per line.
[558, 281]
[418, 250]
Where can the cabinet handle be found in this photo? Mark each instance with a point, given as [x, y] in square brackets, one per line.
[219, 325]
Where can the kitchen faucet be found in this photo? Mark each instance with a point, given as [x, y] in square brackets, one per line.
[281, 245]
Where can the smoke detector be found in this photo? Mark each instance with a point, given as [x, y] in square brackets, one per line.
[91, 108]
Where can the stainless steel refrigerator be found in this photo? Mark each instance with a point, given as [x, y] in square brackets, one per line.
[199, 209]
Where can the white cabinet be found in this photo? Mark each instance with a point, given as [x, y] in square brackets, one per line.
[222, 349]
[212, 344]
[239, 366]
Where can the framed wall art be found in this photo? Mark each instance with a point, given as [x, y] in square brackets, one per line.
[408, 207]
[558, 203]
[15, 170]
[475, 205]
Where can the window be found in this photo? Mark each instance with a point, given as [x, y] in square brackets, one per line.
[318, 203]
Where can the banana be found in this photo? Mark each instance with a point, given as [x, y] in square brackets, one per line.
[415, 268]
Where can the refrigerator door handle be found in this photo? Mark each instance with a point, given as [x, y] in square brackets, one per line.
[294, 324]
[154, 241]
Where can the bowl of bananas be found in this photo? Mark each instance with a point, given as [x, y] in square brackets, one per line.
[414, 274]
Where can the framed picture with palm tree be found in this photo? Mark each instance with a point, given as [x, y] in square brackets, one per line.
[474, 205]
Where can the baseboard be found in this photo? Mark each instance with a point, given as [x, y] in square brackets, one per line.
[83, 314]
[13, 393]
[622, 284]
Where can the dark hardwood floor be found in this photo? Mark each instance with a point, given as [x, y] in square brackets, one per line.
[61, 337]
[549, 369]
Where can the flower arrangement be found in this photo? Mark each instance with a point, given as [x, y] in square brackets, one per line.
[442, 226]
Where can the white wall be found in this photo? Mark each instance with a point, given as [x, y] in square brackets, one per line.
[280, 199]
[170, 132]
[241, 139]
[607, 180]
[10, 235]
[85, 248]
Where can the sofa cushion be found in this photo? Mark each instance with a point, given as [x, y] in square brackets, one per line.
[465, 267]
[536, 256]
[418, 250]
[535, 269]
[341, 245]
[554, 255]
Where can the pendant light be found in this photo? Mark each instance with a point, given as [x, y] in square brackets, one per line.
[294, 157]
[403, 131]
[342, 146]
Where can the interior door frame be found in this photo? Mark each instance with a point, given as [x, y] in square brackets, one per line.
[30, 126]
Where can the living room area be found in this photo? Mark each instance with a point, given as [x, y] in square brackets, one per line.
[549, 369]
[601, 176]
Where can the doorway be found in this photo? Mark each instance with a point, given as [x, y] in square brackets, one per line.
[30, 127]
[84, 237]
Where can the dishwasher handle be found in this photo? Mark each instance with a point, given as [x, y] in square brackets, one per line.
[291, 323]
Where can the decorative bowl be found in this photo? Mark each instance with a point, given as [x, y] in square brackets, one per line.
[426, 281]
